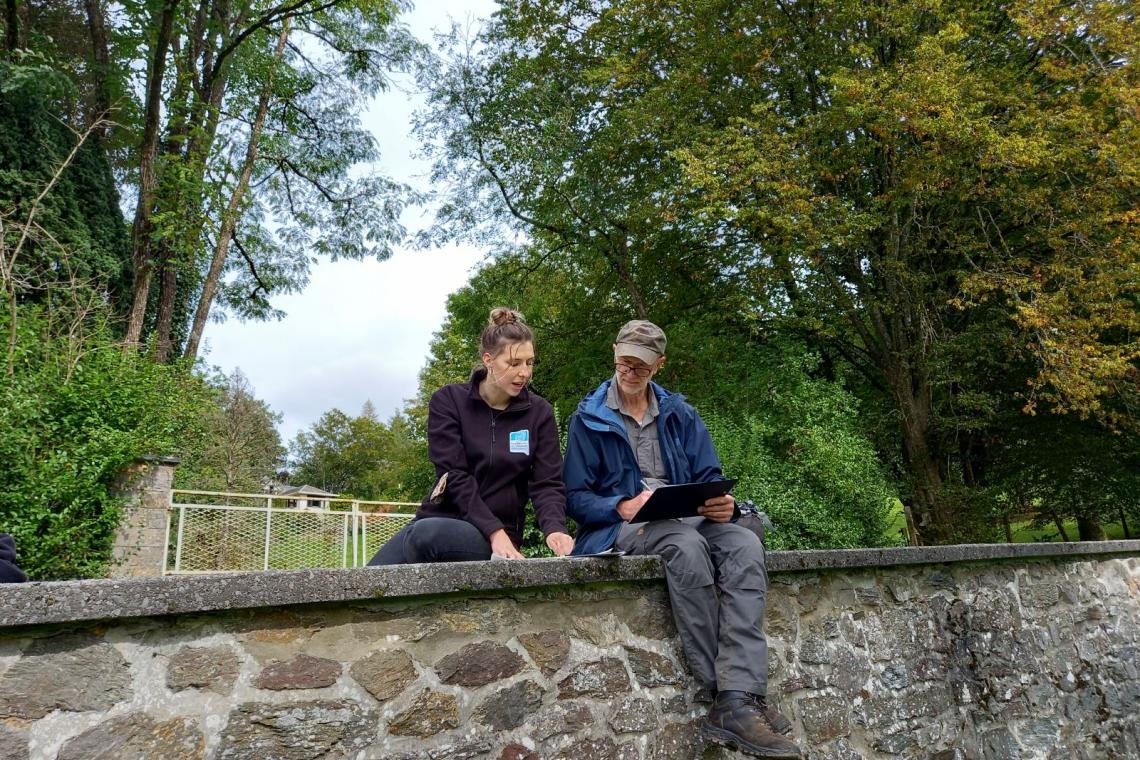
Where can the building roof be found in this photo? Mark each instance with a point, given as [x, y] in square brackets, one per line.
[306, 490]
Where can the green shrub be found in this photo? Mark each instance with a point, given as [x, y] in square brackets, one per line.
[804, 462]
[75, 411]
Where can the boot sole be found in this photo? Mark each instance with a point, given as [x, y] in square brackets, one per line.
[734, 742]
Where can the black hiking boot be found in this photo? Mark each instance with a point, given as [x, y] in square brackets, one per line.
[775, 718]
[704, 696]
[737, 721]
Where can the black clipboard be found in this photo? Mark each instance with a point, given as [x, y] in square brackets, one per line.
[680, 500]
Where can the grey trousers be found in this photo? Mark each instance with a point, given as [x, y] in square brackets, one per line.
[722, 634]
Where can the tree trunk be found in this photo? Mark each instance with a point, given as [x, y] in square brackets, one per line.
[12, 23]
[1060, 526]
[1124, 522]
[166, 298]
[148, 177]
[933, 520]
[194, 125]
[1090, 530]
[101, 62]
[229, 220]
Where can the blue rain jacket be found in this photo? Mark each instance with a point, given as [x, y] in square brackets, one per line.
[601, 469]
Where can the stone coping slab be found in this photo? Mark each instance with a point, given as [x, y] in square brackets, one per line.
[109, 599]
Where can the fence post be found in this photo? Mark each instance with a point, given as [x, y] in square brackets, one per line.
[268, 520]
[355, 534]
[139, 548]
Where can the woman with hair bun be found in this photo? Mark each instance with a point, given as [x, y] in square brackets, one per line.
[494, 445]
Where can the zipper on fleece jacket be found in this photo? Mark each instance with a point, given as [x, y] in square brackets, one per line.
[491, 459]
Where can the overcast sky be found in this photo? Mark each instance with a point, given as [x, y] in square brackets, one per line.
[360, 330]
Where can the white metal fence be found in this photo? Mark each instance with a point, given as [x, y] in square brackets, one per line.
[213, 531]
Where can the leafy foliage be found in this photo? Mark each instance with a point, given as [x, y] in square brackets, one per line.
[79, 231]
[363, 457]
[910, 191]
[239, 448]
[71, 418]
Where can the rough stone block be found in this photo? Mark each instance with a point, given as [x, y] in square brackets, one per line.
[485, 616]
[210, 668]
[137, 736]
[561, 718]
[677, 741]
[296, 731]
[385, 673]
[825, 717]
[653, 669]
[461, 750]
[895, 676]
[13, 744]
[632, 714]
[301, 672]
[509, 707]
[600, 630]
[850, 672]
[1040, 595]
[603, 679]
[941, 580]
[549, 649]
[894, 743]
[517, 752]
[430, 713]
[479, 664]
[652, 618]
[814, 650]
[999, 744]
[781, 618]
[74, 673]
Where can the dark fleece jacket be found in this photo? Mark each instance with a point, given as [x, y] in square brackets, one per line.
[495, 461]
[9, 572]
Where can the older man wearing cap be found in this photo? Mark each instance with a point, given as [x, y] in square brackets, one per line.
[629, 436]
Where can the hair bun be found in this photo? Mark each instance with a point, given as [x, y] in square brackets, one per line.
[501, 315]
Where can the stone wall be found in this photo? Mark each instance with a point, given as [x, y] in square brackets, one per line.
[1012, 657]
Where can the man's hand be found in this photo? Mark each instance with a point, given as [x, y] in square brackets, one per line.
[630, 507]
[501, 545]
[560, 543]
[718, 508]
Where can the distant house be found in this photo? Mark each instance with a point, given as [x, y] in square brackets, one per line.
[306, 497]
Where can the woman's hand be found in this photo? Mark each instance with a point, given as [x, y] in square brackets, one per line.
[718, 508]
[560, 543]
[630, 507]
[501, 544]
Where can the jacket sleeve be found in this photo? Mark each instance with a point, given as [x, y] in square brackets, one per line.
[547, 491]
[582, 474]
[447, 453]
[9, 572]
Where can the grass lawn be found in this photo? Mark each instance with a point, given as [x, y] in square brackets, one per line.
[1022, 532]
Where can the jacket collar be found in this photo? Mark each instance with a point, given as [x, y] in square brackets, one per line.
[597, 415]
[516, 404]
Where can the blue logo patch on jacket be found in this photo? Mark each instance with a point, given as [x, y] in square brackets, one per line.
[520, 442]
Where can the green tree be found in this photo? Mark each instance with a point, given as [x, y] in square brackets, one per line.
[234, 129]
[362, 457]
[893, 184]
[794, 439]
[240, 449]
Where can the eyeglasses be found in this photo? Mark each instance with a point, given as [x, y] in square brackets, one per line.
[625, 369]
